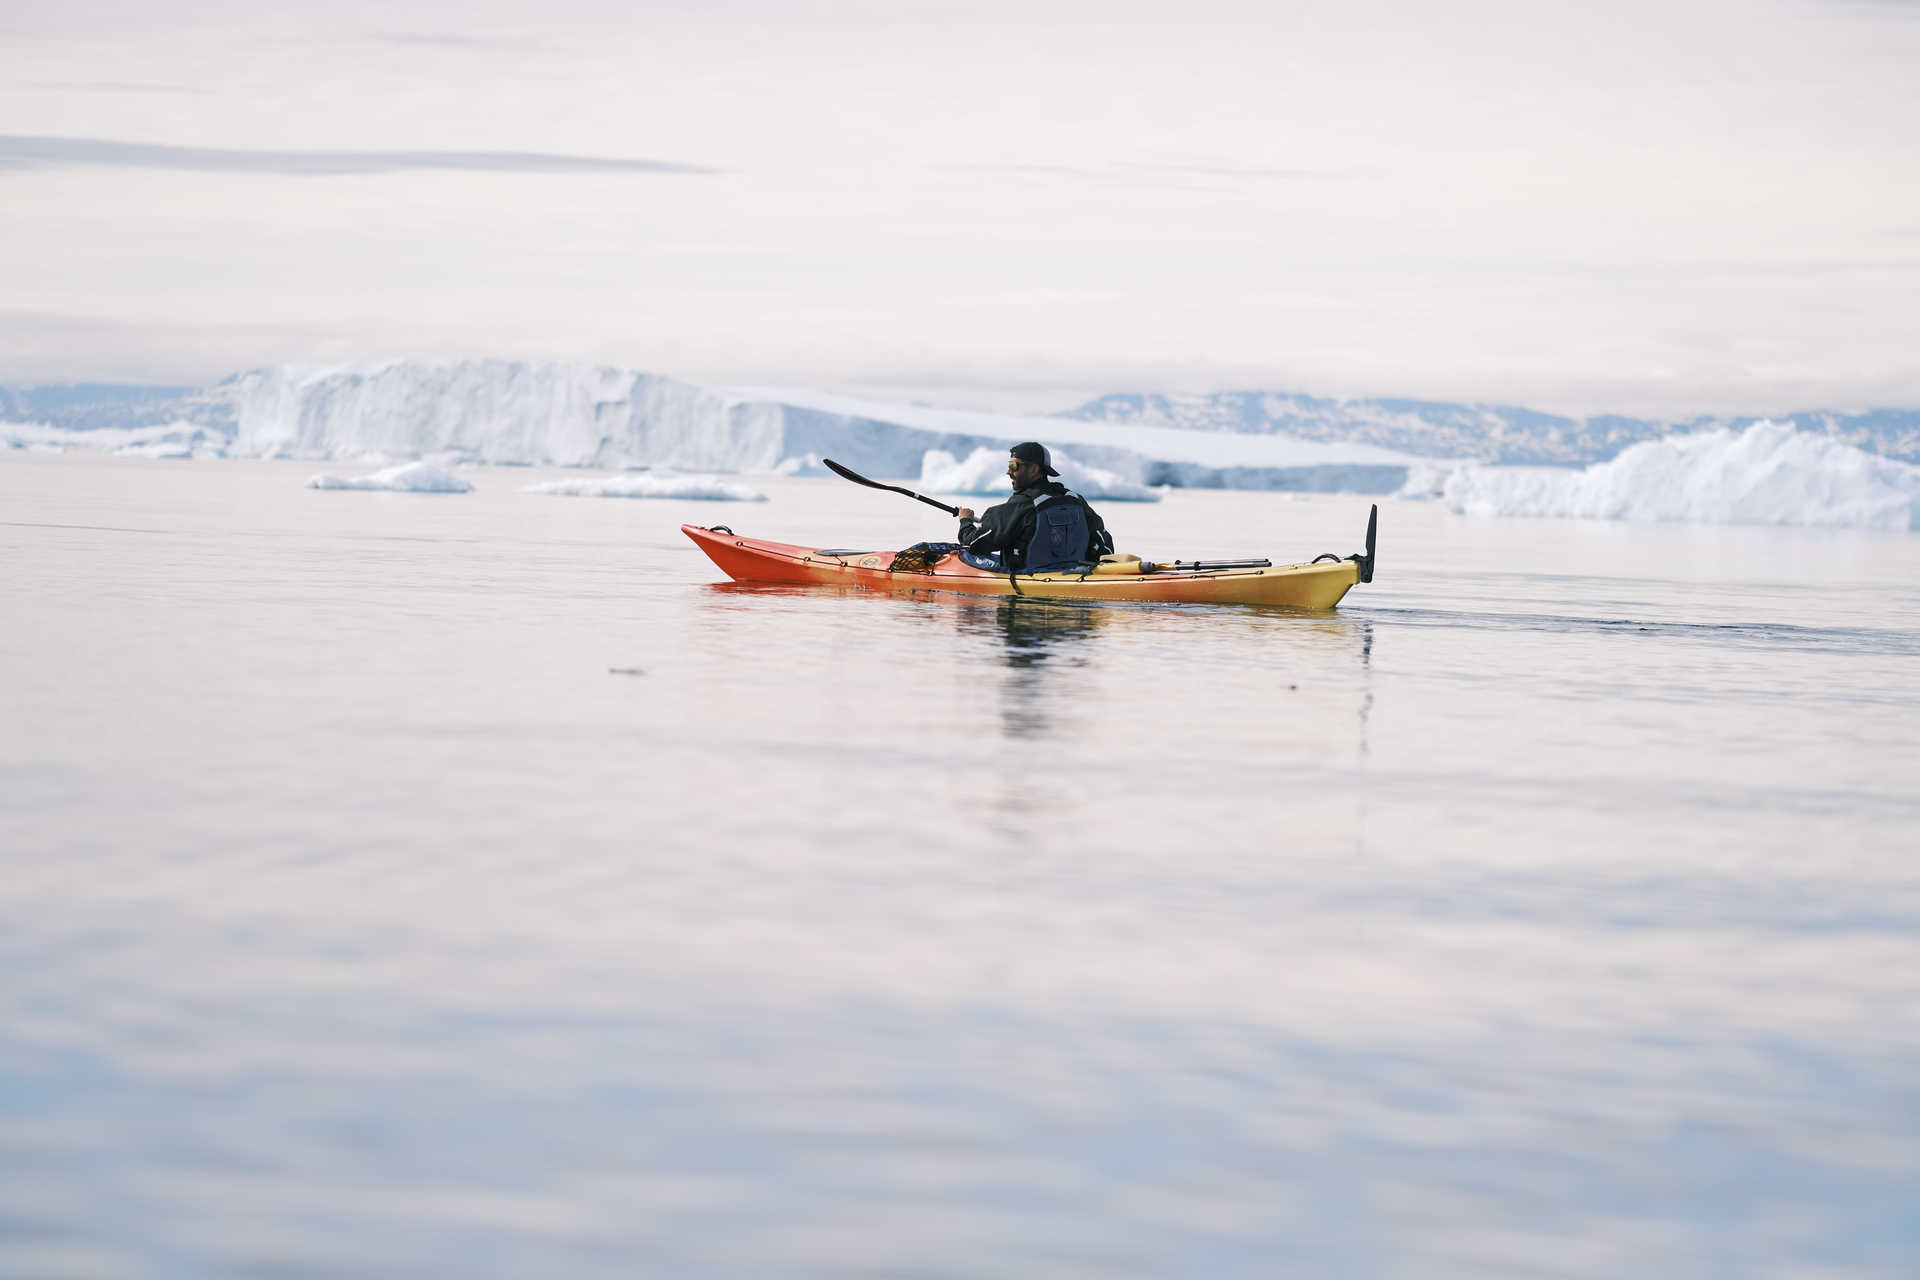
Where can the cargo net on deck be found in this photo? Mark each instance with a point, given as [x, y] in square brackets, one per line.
[922, 556]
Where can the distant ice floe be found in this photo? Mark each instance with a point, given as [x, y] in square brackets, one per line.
[985, 472]
[412, 477]
[699, 488]
[804, 465]
[178, 439]
[163, 449]
[1768, 474]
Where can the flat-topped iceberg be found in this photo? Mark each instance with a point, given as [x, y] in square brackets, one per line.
[984, 471]
[1768, 474]
[698, 488]
[412, 477]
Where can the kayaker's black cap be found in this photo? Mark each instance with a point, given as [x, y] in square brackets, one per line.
[1032, 452]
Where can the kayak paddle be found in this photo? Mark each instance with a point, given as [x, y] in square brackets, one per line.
[857, 478]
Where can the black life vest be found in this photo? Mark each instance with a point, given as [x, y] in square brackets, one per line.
[1062, 534]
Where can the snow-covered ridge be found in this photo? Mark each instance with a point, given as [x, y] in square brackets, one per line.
[1496, 433]
[1768, 474]
[1482, 433]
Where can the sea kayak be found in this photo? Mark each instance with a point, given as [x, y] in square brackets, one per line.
[1317, 584]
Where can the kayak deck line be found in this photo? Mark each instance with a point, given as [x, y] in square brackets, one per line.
[1319, 584]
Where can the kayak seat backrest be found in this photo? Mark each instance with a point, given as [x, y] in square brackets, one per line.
[1061, 534]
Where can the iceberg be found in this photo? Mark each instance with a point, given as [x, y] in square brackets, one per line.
[599, 416]
[412, 477]
[985, 472]
[700, 488]
[1766, 474]
[503, 412]
[493, 411]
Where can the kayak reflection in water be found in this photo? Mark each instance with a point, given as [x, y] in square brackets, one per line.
[1043, 528]
[1045, 641]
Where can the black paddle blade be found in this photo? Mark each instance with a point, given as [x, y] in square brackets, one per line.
[854, 476]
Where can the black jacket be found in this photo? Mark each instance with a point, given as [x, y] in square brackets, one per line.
[1008, 527]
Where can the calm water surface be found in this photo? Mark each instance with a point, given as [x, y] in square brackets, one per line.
[408, 885]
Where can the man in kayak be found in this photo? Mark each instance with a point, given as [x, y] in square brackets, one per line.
[1043, 527]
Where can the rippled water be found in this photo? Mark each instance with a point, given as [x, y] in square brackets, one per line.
[476, 885]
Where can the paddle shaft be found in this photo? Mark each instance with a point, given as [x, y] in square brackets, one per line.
[857, 478]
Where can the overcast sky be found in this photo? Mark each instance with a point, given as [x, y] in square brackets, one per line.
[1689, 205]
